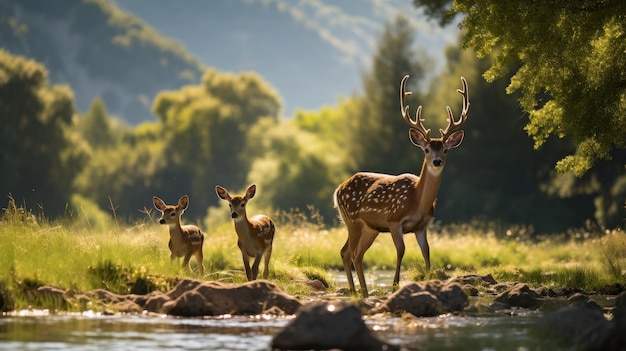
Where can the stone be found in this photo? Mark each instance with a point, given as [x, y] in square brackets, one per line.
[328, 325]
[520, 295]
[426, 299]
[214, 298]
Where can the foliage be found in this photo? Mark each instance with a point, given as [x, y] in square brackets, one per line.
[495, 154]
[95, 127]
[570, 67]
[38, 158]
[205, 131]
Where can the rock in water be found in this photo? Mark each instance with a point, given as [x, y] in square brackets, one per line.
[328, 325]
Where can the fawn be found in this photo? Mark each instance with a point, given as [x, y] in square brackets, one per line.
[255, 235]
[186, 240]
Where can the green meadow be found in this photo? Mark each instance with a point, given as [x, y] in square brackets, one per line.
[81, 255]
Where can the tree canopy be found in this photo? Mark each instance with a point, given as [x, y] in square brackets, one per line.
[38, 160]
[569, 62]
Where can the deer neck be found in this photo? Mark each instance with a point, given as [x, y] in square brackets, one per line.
[243, 226]
[176, 231]
[428, 186]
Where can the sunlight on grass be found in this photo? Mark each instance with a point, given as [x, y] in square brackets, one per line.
[135, 259]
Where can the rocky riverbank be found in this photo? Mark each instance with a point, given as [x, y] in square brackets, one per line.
[330, 321]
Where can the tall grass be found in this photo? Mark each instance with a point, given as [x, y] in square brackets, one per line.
[79, 255]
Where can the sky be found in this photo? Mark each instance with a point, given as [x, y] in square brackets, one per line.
[312, 51]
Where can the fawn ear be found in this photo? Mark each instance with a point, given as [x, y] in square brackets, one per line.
[222, 193]
[183, 202]
[158, 203]
[251, 191]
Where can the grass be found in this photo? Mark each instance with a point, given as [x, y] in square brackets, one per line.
[74, 254]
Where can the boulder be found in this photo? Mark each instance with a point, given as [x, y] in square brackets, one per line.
[328, 325]
[426, 299]
[520, 295]
[198, 298]
[607, 335]
[571, 321]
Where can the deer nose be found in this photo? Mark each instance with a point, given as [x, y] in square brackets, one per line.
[233, 215]
[162, 221]
[437, 162]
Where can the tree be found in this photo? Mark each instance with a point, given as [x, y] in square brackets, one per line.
[95, 127]
[379, 140]
[495, 174]
[294, 168]
[571, 67]
[205, 131]
[38, 159]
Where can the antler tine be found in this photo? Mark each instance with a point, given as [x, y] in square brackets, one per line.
[452, 124]
[416, 124]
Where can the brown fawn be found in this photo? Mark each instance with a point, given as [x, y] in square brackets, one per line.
[185, 240]
[255, 235]
[370, 203]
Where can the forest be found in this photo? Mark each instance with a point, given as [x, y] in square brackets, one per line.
[543, 147]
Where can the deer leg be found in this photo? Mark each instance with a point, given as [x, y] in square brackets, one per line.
[354, 232]
[268, 255]
[346, 258]
[246, 265]
[186, 261]
[199, 260]
[368, 236]
[398, 241]
[422, 241]
[255, 265]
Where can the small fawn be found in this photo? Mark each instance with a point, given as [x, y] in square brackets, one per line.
[255, 235]
[185, 241]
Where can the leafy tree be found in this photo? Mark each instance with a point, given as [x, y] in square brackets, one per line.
[571, 67]
[95, 127]
[495, 174]
[205, 131]
[295, 169]
[38, 159]
[379, 140]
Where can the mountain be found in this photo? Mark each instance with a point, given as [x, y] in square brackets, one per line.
[311, 51]
[126, 51]
[99, 51]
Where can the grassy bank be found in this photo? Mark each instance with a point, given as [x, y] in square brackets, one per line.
[135, 259]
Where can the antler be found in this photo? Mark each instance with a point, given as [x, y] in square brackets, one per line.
[417, 123]
[451, 122]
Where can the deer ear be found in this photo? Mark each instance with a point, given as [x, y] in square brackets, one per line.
[183, 202]
[454, 139]
[251, 191]
[222, 193]
[417, 138]
[158, 203]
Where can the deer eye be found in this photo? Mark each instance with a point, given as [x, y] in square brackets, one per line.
[445, 151]
[172, 214]
[243, 205]
[426, 151]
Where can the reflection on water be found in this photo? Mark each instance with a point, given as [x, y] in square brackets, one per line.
[38, 330]
[89, 331]
[97, 332]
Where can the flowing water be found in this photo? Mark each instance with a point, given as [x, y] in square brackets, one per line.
[40, 330]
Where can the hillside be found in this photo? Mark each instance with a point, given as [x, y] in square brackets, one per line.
[99, 51]
[126, 51]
